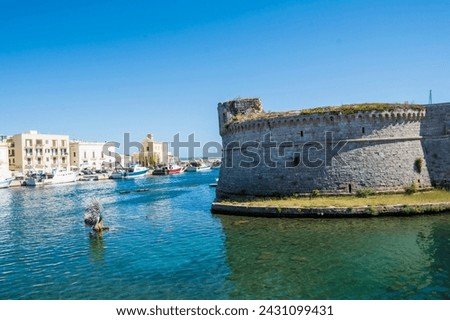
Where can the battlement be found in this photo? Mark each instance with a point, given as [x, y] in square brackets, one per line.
[241, 121]
[275, 120]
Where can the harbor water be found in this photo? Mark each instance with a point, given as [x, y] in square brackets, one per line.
[164, 243]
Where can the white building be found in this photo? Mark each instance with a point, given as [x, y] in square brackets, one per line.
[92, 155]
[4, 164]
[41, 152]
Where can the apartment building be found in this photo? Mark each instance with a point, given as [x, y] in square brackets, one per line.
[33, 151]
[92, 155]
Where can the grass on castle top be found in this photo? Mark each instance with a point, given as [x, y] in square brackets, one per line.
[433, 196]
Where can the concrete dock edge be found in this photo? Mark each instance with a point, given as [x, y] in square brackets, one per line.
[335, 212]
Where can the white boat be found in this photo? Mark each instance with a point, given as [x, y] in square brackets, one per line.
[216, 165]
[5, 182]
[197, 166]
[135, 171]
[58, 176]
[62, 176]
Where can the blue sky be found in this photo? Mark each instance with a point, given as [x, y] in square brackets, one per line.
[97, 69]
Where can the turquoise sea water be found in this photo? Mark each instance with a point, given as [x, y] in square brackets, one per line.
[165, 244]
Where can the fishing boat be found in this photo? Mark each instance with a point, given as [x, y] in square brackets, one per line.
[135, 171]
[170, 169]
[174, 169]
[117, 174]
[197, 166]
[5, 182]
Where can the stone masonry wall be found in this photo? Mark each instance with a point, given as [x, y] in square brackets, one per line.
[435, 130]
[292, 153]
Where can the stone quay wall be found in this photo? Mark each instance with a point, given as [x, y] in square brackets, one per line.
[334, 151]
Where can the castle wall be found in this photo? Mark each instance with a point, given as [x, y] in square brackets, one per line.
[287, 154]
[435, 130]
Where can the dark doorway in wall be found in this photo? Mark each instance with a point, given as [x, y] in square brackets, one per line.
[296, 161]
[349, 188]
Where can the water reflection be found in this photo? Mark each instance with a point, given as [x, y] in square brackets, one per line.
[97, 247]
[338, 259]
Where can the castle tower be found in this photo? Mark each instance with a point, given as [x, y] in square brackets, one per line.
[236, 108]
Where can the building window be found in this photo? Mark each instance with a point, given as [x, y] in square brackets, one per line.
[39, 161]
[85, 156]
[93, 154]
[74, 154]
[301, 133]
[363, 130]
[63, 159]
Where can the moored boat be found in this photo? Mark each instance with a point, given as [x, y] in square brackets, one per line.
[170, 169]
[197, 166]
[118, 174]
[216, 165]
[174, 169]
[5, 182]
[34, 180]
[62, 176]
[58, 176]
[135, 171]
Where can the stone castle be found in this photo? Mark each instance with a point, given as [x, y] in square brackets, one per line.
[332, 150]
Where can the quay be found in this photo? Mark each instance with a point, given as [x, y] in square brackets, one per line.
[330, 212]
[377, 205]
